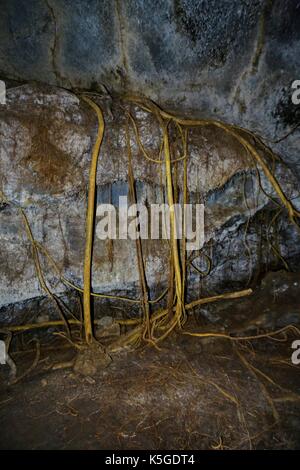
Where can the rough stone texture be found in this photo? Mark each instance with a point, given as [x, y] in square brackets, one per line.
[231, 59]
[46, 139]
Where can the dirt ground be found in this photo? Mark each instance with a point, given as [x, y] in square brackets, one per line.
[192, 394]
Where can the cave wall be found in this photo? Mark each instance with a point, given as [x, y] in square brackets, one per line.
[47, 135]
[232, 60]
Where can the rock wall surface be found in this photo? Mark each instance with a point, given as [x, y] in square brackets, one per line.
[46, 139]
[227, 59]
[232, 59]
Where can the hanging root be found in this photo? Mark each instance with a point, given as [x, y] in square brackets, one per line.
[156, 317]
[37, 264]
[154, 326]
[139, 250]
[87, 274]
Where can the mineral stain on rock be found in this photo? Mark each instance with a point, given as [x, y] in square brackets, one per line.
[231, 61]
[47, 165]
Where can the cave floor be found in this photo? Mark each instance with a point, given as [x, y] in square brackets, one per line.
[192, 394]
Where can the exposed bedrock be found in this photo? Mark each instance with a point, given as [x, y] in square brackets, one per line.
[47, 135]
[233, 60]
[230, 59]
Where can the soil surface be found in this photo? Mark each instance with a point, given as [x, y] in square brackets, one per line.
[192, 394]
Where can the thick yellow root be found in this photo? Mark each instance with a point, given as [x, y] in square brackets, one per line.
[155, 326]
